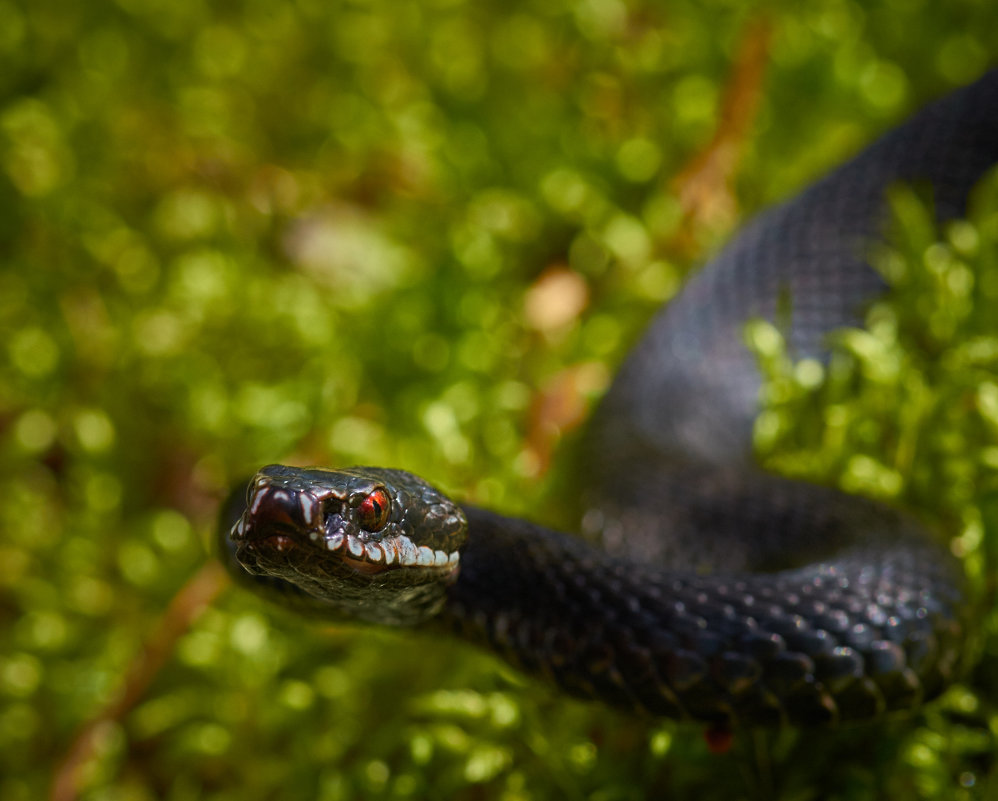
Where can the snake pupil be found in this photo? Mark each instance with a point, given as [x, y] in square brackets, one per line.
[373, 511]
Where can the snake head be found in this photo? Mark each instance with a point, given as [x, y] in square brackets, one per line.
[375, 544]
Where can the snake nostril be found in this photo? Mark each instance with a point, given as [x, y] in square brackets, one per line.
[272, 509]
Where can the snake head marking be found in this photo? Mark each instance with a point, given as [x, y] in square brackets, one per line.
[377, 544]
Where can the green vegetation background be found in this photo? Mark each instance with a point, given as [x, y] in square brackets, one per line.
[326, 232]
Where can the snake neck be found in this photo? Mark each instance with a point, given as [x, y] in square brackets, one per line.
[827, 643]
[542, 600]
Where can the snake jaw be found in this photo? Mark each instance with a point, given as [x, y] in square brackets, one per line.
[390, 553]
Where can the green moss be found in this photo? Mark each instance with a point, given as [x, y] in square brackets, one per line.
[237, 233]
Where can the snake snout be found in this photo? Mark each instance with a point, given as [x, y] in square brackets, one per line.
[277, 513]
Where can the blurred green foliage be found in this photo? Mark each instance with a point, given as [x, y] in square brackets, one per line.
[907, 410]
[244, 232]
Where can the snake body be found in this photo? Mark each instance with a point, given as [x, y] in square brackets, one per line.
[818, 607]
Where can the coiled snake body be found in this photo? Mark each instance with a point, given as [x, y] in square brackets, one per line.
[819, 607]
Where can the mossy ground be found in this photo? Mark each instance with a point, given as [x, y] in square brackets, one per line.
[323, 232]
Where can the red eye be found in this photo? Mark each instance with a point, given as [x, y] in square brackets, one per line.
[372, 514]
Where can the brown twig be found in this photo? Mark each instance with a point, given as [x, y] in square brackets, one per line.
[703, 186]
[187, 605]
[559, 408]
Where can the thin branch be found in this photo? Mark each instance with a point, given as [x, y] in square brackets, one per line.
[185, 608]
[704, 185]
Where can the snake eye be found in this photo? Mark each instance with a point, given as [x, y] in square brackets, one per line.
[372, 514]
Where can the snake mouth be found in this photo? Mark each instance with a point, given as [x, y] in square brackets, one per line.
[278, 542]
[277, 539]
[393, 553]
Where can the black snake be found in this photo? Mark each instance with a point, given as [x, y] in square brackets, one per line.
[819, 607]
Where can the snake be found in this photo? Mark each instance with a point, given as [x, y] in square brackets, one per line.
[698, 586]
